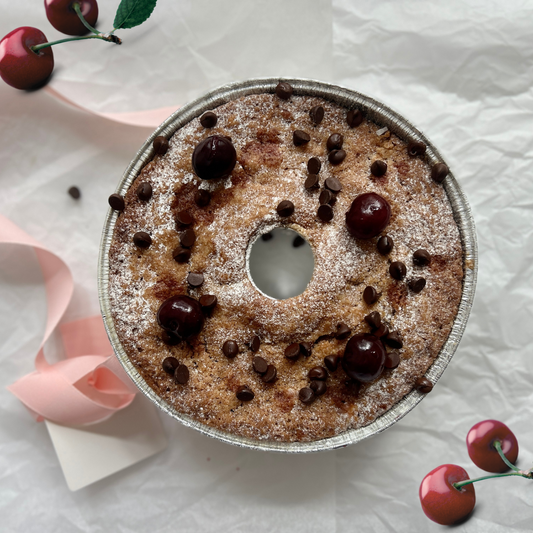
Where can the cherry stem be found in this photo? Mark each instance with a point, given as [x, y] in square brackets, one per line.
[103, 37]
[498, 445]
[76, 6]
[461, 484]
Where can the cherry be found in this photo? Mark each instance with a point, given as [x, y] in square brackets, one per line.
[64, 18]
[368, 215]
[214, 157]
[481, 441]
[364, 357]
[181, 315]
[441, 501]
[20, 66]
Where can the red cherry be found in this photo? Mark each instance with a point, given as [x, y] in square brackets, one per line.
[214, 157]
[364, 357]
[441, 501]
[63, 18]
[368, 215]
[21, 67]
[181, 315]
[480, 443]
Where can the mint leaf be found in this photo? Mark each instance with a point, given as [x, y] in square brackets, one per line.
[131, 13]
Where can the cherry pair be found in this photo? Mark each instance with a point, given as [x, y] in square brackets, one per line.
[26, 59]
[447, 494]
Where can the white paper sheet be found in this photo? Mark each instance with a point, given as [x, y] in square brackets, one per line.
[462, 71]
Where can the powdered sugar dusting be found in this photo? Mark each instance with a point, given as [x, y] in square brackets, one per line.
[271, 169]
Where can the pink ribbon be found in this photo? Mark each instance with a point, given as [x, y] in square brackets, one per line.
[88, 386]
[150, 118]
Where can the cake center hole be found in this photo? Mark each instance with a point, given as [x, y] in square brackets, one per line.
[281, 263]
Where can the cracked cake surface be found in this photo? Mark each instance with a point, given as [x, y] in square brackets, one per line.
[270, 169]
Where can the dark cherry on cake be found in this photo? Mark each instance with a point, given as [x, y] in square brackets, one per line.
[364, 357]
[181, 315]
[368, 215]
[214, 157]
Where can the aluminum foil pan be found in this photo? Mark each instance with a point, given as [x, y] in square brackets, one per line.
[381, 115]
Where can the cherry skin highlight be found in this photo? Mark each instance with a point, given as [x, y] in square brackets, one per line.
[63, 18]
[214, 157]
[20, 66]
[368, 215]
[364, 357]
[480, 443]
[181, 315]
[441, 501]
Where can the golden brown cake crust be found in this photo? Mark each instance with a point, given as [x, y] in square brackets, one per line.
[271, 169]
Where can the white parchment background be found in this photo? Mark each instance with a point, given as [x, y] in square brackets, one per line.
[462, 71]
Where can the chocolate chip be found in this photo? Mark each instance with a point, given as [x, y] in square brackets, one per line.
[267, 237]
[423, 385]
[385, 245]
[181, 374]
[397, 270]
[306, 348]
[333, 184]
[195, 279]
[318, 387]
[75, 193]
[116, 202]
[334, 142]
[318, 372]
[306, 395]
[314, 165]
[142, 239]
[160, 145]
[439, 172]
[259, 364]
[392, 360]
[311, 182]
[373, 320]
[378, 168]
[285, 208]
[317, 114]
[354, 118]
[230, 349]
[208, 301]
[382, 331]
[421, 258]
[292, 352]
[298, 241]
[336, 157]
[325, 213]
[343, 331]
[202, 198]
[370, 295]
[300, 138]
[184, 218]
[181, 255]
[244, 394]
[170, 364]
[327, 197]
[169, 338]
[415, 148]
[188, 238]
[144, 191]
[255, 343]
[332, 362]
[270, 375]
[394, 340]
[284, 90]
[416, 285]
[208, 119]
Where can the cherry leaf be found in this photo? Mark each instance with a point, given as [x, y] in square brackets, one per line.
[131, 13]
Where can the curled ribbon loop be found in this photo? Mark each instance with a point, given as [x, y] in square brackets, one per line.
[88, 386]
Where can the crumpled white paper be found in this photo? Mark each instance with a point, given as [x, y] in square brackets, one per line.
[461, 71]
